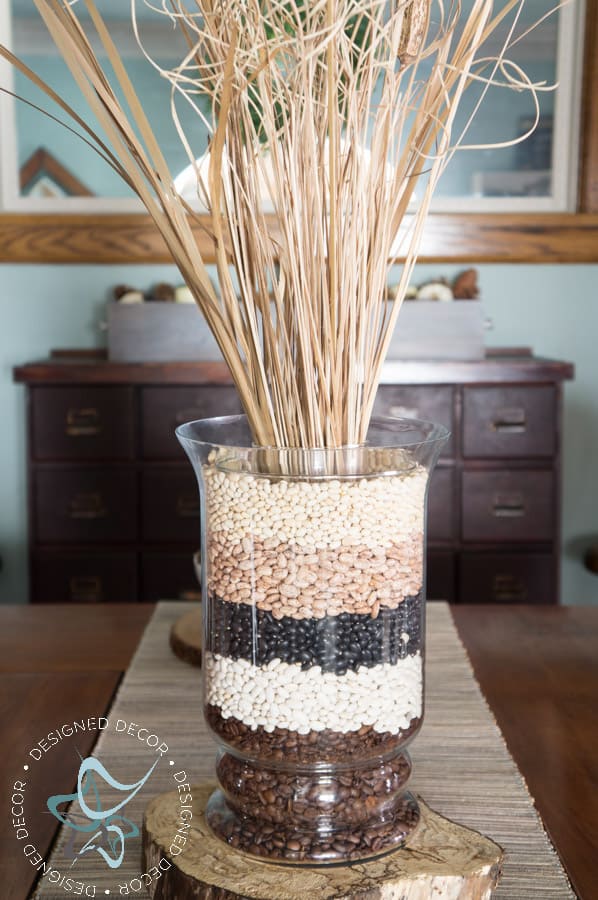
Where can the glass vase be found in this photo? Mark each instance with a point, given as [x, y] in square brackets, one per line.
[313, 591]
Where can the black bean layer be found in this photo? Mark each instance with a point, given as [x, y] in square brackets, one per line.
[336, 643]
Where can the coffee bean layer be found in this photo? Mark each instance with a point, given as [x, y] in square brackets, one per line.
[290, 845]
[332, 799]
[335, 643]
[282, 745]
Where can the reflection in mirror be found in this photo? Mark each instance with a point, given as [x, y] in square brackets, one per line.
[43, 164]
[538, 173]
[83, 172]
[523, 169]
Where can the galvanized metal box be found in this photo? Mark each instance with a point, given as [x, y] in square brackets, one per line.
[430, 329]
[162, 332]
[159, 332]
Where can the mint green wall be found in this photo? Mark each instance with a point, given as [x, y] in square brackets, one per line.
[154, 93]
[553, 309]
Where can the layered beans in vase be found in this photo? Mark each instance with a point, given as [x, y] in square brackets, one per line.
[313, 664]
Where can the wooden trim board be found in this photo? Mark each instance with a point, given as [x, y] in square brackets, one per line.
[468, 237]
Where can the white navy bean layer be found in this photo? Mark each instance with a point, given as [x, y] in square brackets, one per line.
[280, 695]
[365, 512]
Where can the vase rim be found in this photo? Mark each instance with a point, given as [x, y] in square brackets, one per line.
[419, 432]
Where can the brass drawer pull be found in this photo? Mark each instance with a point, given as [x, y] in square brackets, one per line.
[86, 589]
[87, 506]
[510, 421]
[84, 422]
[187, 506]
[508, 506]
[509, 589]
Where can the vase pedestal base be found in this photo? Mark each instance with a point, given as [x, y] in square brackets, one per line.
[442, 860]
[297, 845]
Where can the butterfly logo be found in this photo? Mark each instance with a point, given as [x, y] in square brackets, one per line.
[108, 829]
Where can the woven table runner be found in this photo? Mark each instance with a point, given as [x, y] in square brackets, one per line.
[461, 765]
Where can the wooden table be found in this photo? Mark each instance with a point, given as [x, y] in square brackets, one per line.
[538, 667]
[59, 664]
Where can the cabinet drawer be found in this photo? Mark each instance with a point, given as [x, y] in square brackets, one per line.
[84, 578]
[507, 578]
[442, 505]
[507, 506]
[168, 576]
[85, 505]
[163, 409]
[81, 423]
[170, 505]
[440, 575]
[433, 403]
[509, 421]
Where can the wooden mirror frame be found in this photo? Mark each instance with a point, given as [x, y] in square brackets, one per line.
[463, 237]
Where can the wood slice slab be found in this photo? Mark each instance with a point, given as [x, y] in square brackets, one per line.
[443, 861]
[185, 637]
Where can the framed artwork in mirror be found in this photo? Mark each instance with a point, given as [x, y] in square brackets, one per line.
[42, 175]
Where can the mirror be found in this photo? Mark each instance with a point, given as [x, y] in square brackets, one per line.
[50, 167]
[532, 174]
[46, 168]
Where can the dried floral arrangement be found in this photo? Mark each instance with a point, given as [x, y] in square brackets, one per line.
[354, 102]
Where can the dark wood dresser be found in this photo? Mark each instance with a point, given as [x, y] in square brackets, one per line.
[114, 508]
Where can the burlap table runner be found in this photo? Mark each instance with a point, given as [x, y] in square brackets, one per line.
[461, 764]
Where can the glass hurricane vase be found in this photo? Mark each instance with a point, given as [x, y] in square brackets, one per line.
[313, 590]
